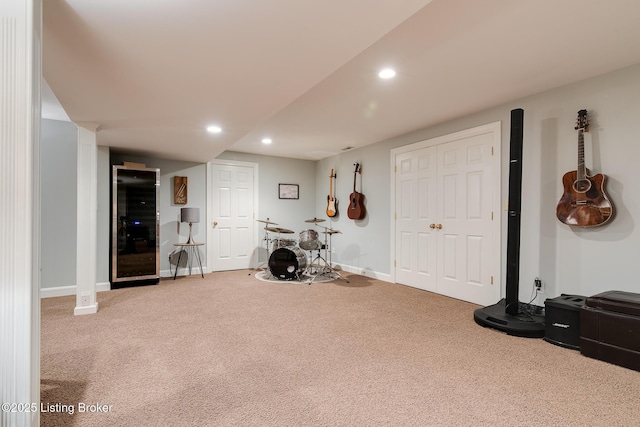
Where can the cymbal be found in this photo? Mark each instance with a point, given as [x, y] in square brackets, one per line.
[332, 231]
[315, 220]
[280, 230]
[267, 221]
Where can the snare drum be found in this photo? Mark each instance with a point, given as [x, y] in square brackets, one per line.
[287, 263]
[309, 240]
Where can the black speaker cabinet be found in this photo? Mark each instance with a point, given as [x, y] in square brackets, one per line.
[562, 320]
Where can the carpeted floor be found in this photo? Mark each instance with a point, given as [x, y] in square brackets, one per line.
[231, 350]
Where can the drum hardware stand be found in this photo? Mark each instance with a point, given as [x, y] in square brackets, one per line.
[264, 266]
[327, 268]
[331, 232]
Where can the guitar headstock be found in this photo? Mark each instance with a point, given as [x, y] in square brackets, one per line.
[357, 168]
[332, 174]
[582, 122]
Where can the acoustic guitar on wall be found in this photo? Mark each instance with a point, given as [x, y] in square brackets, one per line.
[356, 208]
[332, 203]
[584, 202]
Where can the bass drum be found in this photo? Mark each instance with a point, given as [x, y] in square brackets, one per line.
[287, 263]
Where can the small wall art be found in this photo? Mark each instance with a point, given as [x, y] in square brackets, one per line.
[180, 188]
[288, 191]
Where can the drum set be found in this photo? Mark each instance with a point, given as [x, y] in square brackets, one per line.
[287, 259]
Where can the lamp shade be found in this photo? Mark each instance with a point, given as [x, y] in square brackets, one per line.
[190, 215]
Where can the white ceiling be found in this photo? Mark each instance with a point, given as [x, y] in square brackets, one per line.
[153, 75]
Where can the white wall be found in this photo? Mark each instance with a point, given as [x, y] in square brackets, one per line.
[58, 151]
[363, 245]
[103, 219]
[568, 260]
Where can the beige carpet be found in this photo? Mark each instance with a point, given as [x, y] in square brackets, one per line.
[231, 350]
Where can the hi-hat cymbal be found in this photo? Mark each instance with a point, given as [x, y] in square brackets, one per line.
[279, 230]
[315, 220]
[267, 221]
[332, 231]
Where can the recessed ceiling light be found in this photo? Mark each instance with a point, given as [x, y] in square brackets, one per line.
[387, 73]
[266, 140]
[214, 129]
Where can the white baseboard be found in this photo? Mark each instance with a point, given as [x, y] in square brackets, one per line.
[88, 309]
[103, 286]
[63, 291]
[367, 272]
[184, 271]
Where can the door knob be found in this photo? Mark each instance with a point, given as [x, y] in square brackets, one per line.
[439, 226]
[215, 223]
[432, 226]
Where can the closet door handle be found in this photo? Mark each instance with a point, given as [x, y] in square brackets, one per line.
[439, 226]
[432, 226]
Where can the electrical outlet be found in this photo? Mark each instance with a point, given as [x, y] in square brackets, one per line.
[538, 284]
[84, 299]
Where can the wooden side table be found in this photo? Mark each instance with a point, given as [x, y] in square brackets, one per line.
[190, 248]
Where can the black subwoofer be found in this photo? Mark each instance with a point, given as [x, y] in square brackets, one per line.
[562, 320]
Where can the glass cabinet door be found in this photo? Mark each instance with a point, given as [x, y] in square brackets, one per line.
[135, 224]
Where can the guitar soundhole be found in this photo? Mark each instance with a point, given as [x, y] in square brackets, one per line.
[582, 185]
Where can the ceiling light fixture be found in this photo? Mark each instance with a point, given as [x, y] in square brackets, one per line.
[214, 129]
[266, 140]
[387, 73]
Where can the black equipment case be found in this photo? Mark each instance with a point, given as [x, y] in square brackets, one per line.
[610, 328]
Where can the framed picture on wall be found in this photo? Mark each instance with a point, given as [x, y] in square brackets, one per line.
[288, 191]
[180, 187]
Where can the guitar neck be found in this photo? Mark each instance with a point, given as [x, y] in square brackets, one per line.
[582, 170]
[355, 173]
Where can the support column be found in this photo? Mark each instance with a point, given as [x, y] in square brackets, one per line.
[20, 74]
[86, 302]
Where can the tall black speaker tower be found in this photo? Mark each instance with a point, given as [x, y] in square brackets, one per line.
[509, 315]
[514, 211]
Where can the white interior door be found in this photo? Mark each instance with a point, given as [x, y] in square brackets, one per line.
[233, 237]
[447, 232]
[416, 182]
[465, 234]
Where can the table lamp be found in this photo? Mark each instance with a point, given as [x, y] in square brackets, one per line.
[190, 215]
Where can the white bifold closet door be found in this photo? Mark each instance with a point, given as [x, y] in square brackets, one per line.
[446, 241]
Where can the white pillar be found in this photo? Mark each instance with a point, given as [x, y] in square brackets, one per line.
[86, 302]
[20, 74]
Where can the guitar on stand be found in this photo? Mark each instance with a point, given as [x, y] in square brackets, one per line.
[356, 208]
[584, 202]
[332, 209]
